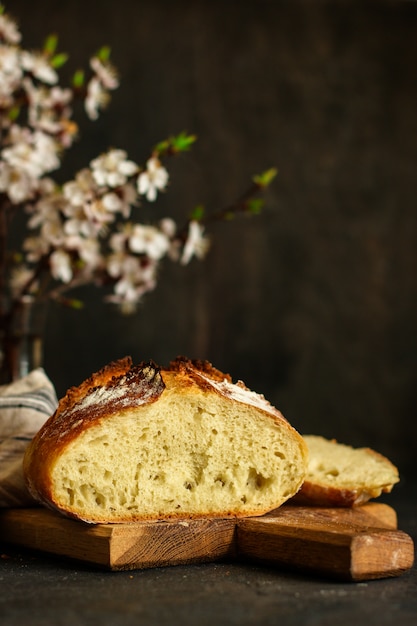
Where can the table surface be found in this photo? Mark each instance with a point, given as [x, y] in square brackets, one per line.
[39, 589]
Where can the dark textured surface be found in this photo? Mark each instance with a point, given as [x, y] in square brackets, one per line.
[313, 304]
[41, 590]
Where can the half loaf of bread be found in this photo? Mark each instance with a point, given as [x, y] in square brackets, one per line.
[144, 443]
[339, 475]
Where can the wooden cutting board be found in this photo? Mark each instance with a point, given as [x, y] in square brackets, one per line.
[356, 544]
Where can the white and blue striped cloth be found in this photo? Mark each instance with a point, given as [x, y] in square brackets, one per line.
[24, 406]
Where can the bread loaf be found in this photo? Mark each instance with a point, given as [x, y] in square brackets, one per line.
[339, 475]
[144, 443]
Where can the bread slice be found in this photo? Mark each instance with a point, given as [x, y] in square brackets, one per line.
[339, 475]
[144, 443]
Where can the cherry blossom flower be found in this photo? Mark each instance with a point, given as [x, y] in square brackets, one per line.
[35, 248]
[135, 278]
[88, 251]
[97, 98]
[78, 225]
[17, 183]
[153, 179]
[60, 263]
[39, 66]
[113, 168]
[168, 227]
[148, 240]
[35, 154]
[196, 244]
[98, 212]
[80, 190]
[10, 74]
[8, 30]
[105, 73]
[49, 111]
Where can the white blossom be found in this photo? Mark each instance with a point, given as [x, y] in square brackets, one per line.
[96, 99]
[168, 227]
[38, 65]
[35, 248]
[16, 183]
[49, 111]
[34, 154]
[60, 263]
[10, 73]
[46, 210]
[79, 226]
[105, 73]
[52, 232]
[128, 198]
[134, 278]
[80, 190]
[153, 179]
[45, 152]
[88, 250]
[148, 240]
[196, 244]
[98, 213]
[112, 169]
[8, 30]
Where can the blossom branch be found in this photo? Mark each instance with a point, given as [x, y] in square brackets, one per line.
[82, 232]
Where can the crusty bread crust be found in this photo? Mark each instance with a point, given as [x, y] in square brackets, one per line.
[119, 388]
[312, 494]
[83, 407]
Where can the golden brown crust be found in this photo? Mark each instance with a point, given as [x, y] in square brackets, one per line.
[312, 494]
[119, 386]
[186, 365]
[116, 387]
[106, 374]
[184, 372]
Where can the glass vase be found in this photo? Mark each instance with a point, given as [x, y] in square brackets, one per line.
[21, 340]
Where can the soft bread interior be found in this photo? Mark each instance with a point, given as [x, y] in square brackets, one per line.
[184, 455]
[339, 465]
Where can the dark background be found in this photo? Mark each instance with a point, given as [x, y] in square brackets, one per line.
[313, 303]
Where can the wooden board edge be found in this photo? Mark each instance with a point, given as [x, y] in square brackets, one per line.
[116, 547]
[333, 549]
[57, 535]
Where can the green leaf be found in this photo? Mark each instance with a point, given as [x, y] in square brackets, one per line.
[78, 79]
[75, 304]
[255, 206]
[50, 44]
[175, 144]
[2, 9]
[197, 213]
[266, 178]
[183, 142]
[13, 113]
[162, 147]
[17, 257]
[104, 54]
[59, 59]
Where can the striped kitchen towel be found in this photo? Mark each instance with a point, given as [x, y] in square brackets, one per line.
[24, 406]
